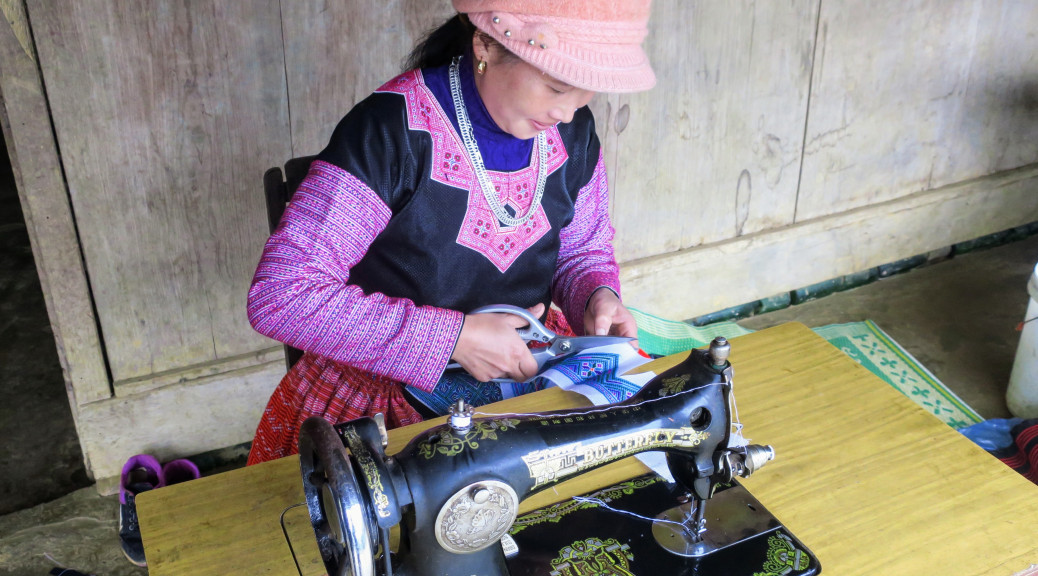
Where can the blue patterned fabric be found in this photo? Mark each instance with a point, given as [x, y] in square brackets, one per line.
[454, 386]
[595, 370]
[592, 373]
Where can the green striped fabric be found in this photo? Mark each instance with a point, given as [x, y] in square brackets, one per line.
[662, 337]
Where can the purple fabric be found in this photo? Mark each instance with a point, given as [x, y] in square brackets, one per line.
[586, 259]
[177, 471]
[301, 293]
[500, 150]
[153, 470]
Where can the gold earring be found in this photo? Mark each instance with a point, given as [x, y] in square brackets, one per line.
[482, 66]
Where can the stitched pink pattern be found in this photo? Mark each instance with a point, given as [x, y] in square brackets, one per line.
[450, 162]
[586, 259]
[501, 244]
[301, 294]
[480, 230]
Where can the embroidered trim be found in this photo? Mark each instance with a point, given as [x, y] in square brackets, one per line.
[503, 216]
[479, 230]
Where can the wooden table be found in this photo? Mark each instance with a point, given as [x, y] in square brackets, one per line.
[870, 482]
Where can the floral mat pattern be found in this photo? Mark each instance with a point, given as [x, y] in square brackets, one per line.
[865, 342]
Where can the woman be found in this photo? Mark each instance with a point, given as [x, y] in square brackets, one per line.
[475, 178]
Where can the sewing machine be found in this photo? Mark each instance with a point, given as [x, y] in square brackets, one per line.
[454, 491]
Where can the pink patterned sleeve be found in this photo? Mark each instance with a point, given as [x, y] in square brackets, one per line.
[586, 259]
[301, 293]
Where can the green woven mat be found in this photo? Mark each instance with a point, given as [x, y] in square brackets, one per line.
[875, 350]
[862, 341]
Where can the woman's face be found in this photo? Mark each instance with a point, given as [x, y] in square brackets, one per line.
[521, 99]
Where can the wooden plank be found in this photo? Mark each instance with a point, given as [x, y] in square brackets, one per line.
[872, 483]
[219, 367]
[869, 481]
[713, 151]
[167, 118]
[231, 547]
[48, 215]
[337, 53]
[602, 106]
[912, 96]
[710, 278]
[176, 421]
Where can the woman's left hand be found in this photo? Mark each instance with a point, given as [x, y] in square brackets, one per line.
[605, 314]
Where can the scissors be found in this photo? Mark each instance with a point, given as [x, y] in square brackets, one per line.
[557, 346]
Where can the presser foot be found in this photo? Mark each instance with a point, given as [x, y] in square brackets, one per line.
[694, 530]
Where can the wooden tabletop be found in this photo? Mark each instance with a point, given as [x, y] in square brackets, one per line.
[865, 478]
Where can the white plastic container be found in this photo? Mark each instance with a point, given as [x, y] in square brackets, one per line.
[1022, 394]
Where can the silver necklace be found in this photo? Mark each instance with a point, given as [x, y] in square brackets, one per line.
[477, 159]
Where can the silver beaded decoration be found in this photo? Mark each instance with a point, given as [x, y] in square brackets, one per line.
[477, 159]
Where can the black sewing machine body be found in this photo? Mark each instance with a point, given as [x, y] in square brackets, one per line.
[455, 489]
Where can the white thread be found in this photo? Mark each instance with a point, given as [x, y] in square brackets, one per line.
[461, 421]
[736, 437]
[597, 502]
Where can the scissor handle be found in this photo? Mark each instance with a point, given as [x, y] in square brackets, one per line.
[535, 332]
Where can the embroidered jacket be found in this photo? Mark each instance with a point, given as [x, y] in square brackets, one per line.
[389, 240]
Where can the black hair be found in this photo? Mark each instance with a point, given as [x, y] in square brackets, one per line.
[452, 38]
[441, 45]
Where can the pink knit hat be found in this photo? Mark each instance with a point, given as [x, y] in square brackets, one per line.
[590, 44]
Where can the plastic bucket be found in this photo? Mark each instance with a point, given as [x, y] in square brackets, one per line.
[1022, 395]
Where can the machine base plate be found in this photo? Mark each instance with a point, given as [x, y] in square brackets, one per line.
[577, 537]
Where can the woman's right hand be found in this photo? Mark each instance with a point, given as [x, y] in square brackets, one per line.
[489, 347]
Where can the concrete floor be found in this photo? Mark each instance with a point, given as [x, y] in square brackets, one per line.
[49, 513]
[957, 317]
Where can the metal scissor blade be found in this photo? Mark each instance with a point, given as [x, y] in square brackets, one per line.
[572, 345]
[564, 346]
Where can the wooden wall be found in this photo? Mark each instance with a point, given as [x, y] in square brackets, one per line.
[713, 151]
[164, 117]
[337, 53]
[826, 138]
[787, 142]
